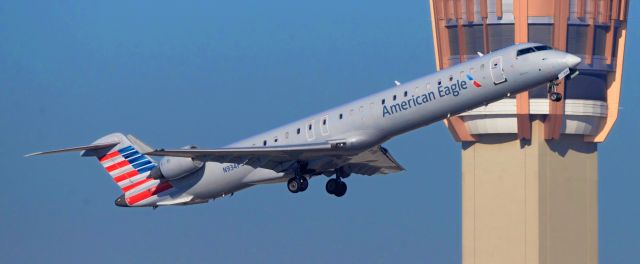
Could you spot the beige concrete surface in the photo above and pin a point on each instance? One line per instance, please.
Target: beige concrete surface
(529, 202)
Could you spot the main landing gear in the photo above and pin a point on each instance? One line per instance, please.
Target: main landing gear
(336, 186)
(554, 95)
(298, 184)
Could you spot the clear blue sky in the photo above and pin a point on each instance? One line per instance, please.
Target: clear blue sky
(175, 73)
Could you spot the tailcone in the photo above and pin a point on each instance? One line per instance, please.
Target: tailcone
(121, 202)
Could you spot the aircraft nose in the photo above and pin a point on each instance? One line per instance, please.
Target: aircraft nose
(572, 60)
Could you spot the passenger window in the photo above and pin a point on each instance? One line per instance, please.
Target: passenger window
(439, 82)
(405, 93)
(298, 132)
(382, 101)
(450, 78)
(275, 139)
(340, 116)
(324, 122)
(394, 97)
(264, 143)
(310, 126)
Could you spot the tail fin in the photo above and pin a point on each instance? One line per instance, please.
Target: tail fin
(122, 158)
(129, 169)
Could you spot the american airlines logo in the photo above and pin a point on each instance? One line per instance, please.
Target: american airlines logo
(453, 89)
(473, 81)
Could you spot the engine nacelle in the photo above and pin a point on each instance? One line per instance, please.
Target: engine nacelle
(172, 168)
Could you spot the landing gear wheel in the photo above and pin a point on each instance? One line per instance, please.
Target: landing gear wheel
(331, 186)
(304, 183)
(297, 184)
(342, 189)
(293, 185)
(555, 96)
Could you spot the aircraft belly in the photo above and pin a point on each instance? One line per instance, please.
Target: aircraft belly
(261, 175)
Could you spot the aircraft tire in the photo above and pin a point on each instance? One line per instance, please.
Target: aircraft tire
(304, 183)
(556, 97)
(293, 185)
(341, 190)
(331, 186)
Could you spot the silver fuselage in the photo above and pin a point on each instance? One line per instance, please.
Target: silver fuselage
(367, 122)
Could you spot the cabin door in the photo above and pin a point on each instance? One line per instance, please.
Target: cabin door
(497, 72)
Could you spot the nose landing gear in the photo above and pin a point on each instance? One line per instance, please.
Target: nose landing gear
(554, 95)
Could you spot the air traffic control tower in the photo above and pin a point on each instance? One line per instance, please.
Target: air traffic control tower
(529, 165)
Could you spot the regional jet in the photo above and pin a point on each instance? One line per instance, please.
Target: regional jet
(336, 143)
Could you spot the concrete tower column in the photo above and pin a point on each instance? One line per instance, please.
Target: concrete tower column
(529, 201)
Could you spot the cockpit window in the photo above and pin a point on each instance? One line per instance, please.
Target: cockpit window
(525, 51)
(532, 49)
(542, 47)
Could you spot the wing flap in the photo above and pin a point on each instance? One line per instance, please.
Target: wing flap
(376, 160)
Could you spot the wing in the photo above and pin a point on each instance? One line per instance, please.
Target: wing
(321, 158)
(376, 160)
(277, 158)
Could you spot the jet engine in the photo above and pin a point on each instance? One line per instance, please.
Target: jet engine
(172, 168)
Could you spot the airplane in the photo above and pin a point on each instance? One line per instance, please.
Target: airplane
(341, 141)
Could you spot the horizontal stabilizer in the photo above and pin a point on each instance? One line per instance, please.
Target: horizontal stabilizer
(81, 148)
